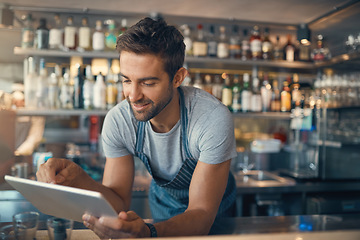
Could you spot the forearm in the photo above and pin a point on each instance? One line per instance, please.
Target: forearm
(190, 223)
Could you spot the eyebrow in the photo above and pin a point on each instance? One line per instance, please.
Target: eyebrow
(141, 79)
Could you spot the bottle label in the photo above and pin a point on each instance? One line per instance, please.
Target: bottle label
(84, 37)
(255, 46)
(290, 54)
(55, 38)
(69, 38)
(226, 96)
(256, 103)
(222, 50)
(236, 104)
(199, 49)
(246, 100)
(212, 50)
(188, 45)
(285, 102)
(98, 41)
(27, 38)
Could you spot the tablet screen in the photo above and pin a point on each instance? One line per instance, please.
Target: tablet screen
(62, 201)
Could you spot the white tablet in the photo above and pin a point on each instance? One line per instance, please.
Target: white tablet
(62, 201)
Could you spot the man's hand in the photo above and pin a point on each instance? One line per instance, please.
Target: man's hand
(127, 225)
(60, 171)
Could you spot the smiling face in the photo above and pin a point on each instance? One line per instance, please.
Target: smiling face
(146, 85)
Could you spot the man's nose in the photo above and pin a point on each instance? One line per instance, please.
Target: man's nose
(135, 93)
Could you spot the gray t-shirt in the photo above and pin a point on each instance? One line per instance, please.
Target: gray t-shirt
(210, 135)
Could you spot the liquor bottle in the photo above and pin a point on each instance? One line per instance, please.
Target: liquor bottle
(78, 96)
(42, 86)
(212, 43)
(217, 87)
(123, 27)
(246, 94)
(275, 97)
(42, 35)
(84, 36)
(304, 52)
(66, 91)
(285, 97)
(110, 36)
(234, 43)
(320, 53)
(277, 51)
(245, 46)
(266, 46)
(295, 92)
(29, 86)
(289, 51)
(266, 94)
(236, 95)
(111, 90)
(187, 40)
(70, 35)
(88, 88)
(99, 93)
(255, 43)
(208, 84)
(27, 34)
(256, 103)
(198, 83)
(56, 34)
(53, 92)
(199, 44)
(226, 97)
(223, 45)
(98, 42)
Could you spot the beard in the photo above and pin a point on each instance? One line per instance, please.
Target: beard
(154, 109)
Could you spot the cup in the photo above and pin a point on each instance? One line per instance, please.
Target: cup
(8, 232)
(59, 229)
(28, 221)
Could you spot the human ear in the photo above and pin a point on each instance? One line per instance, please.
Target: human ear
(180, 76)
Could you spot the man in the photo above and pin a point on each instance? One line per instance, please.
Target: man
(184, 136)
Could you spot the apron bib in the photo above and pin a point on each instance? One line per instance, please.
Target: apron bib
(170, 198)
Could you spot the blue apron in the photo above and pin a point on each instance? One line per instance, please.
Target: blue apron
(170, 198)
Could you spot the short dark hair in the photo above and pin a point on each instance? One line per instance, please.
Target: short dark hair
(155, 37)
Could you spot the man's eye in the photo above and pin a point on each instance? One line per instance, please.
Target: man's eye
(148, 84)
(126, 81)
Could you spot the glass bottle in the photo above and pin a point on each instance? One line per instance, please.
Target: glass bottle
(266, 94)
(187, 40)
(110, 36)
(42, 35)
(199, 44)
(245, 46)
(285, 97)
(320, 53)
(78, 96)
(255, 43)
(289, 51)
(208, 84)
(217, 87)
(111, 90)
(236, 95)
(70, 35)
(28, 33)
(212, 43)
(198, 83)
(53, 92)
(223, 45)
(266, 46)
(29, 86)
(256, 103)
(246, 94)
(234, 43)
(84, 36)
(226, 97)
(277, 50)
(88, 88)
(275, 97)
(56, 34)
(295, 92)
(42, 86)
(123, 27)
(98, 43)
(66, 91)
(99, 93)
